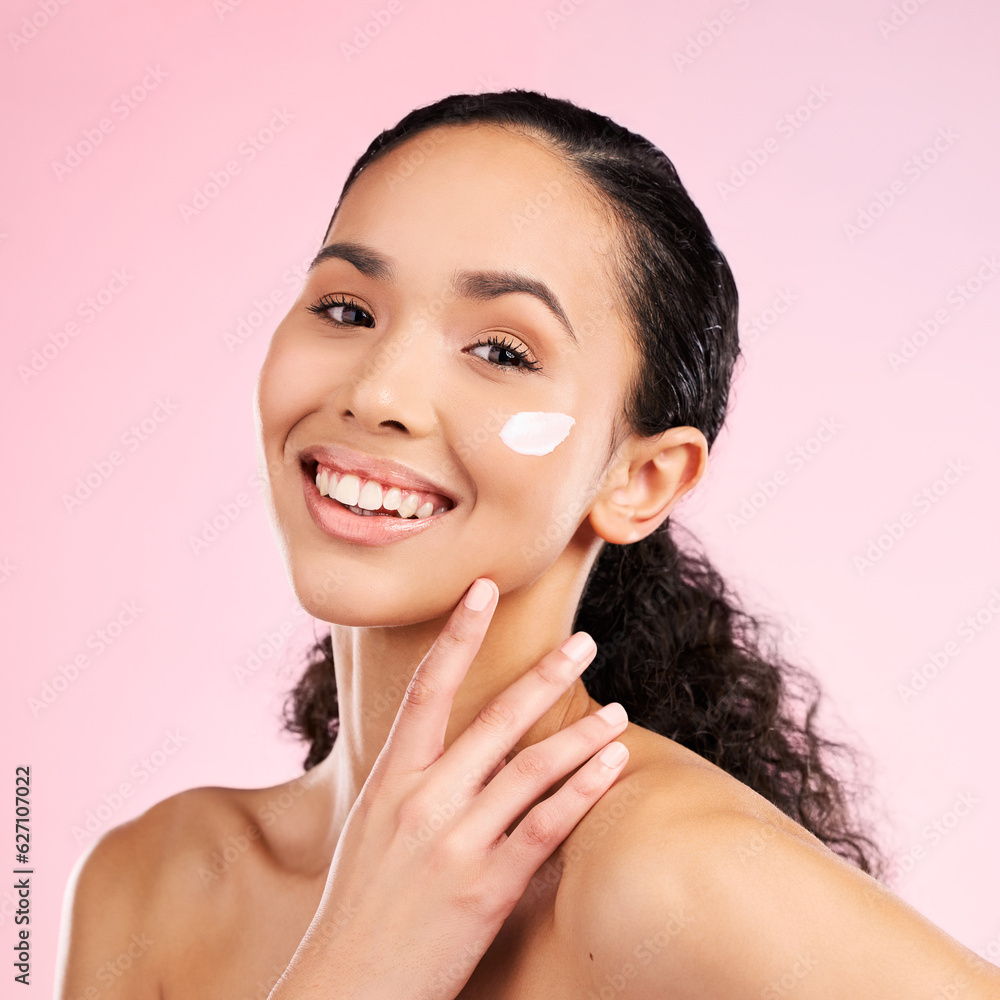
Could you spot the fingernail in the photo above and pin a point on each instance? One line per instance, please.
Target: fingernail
(480, 594)
(613, 754)
(578, 647)
(613, 714)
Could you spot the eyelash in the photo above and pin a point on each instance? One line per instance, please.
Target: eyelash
(327, 302)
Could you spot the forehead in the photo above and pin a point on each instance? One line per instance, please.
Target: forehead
(479, 196)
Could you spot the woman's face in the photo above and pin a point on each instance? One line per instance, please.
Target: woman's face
(403, 373)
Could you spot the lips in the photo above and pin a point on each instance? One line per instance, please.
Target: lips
(363, 527)
(377, 484)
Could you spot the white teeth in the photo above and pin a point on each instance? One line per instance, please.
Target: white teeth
(348, 490)
(371, 496)
(363, 512)
(409, 506)
(392, 498)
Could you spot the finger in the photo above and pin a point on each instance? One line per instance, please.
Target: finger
(537, 768)
(496, 771)
(416, 739)
(546, 826)
(507, 717)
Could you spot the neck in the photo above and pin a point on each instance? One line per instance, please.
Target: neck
(374, 665)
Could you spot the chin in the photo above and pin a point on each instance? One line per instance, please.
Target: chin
(341, 594)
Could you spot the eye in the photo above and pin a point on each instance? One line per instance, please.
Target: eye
(500, 352)
(346, 311)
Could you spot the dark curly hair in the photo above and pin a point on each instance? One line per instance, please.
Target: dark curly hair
(674, 645)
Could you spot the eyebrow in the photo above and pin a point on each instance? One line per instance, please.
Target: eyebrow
(478, 285)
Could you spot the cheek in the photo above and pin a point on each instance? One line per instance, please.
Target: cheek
(286, 385)
(533, 432)
(533, 474)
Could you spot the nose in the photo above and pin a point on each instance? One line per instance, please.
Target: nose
(392, 383)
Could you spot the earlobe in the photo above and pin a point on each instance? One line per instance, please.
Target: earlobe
(638, 496)
(613, 522)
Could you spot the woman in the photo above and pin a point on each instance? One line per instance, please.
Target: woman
(506, 368)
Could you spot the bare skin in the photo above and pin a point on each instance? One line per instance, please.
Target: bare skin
(678, 881)
(229, 929)
(222, 913)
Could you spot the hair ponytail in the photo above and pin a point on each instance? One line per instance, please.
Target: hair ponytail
(311, 710)
(675, 648)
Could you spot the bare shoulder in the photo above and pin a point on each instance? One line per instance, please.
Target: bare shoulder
(128, 890)
(707, 889)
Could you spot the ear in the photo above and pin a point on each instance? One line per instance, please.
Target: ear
(644, 485)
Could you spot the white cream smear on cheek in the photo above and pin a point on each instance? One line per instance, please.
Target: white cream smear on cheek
(533, 432)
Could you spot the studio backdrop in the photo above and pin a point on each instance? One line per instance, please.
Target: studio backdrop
(169, 171)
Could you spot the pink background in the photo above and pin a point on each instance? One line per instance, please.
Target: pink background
(220, 74)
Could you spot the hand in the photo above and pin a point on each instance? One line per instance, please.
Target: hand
(424, 873)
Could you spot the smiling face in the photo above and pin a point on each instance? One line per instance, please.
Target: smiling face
(387, 352)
